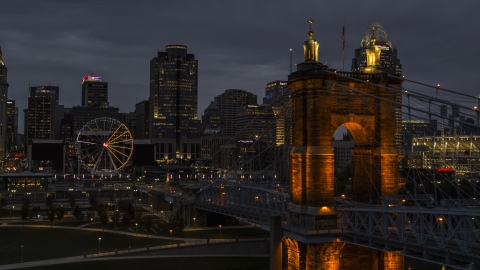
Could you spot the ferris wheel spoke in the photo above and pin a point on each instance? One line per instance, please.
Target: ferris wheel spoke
(113, 133)
(111, 160)
(98, 161)
(117, 142)
(116, 157)
(117, 151)
(120, 146)
(112, 139)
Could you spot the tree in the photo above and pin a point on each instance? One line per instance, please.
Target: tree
(51, 215)
(125, 221)
(138, 217)
(103, 217)
(93, 201)
(148, 224)
(76, 212)
(130, 212)
(60, 213)
(3, 203)
(71, 201)
(26, 211)
(49, 202)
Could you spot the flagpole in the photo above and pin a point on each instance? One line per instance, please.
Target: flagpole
(343, 47)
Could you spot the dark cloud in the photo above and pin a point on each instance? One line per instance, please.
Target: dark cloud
(239, 44)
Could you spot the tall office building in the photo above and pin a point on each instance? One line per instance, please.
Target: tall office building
(94, 91)
(173, 100)
(41, 113)
(274, 91)
(12, 126)
(259, 122)
(228, 103)
(3, 105)
(375, 41)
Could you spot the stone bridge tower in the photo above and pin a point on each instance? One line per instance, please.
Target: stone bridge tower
(323, 100)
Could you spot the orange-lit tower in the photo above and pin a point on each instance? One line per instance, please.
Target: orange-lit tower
(311, 157)
(324, 99)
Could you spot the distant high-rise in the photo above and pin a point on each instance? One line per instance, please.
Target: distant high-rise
(228, 102)
(211, 118)
(375, 41)
(3, 105)
(273, 91)
(141, 120)
(94, 91)
(41, 113)
(173, 100)
(12, 126)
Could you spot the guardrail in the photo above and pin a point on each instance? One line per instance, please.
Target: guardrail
(171, 246)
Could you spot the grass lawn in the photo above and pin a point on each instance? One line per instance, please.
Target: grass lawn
(210, 263)
(46, 243)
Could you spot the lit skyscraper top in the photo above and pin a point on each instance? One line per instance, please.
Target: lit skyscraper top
(376, 43)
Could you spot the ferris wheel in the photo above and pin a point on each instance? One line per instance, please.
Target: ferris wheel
(104, 145)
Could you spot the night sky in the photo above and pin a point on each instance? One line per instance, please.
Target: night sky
(239, 44)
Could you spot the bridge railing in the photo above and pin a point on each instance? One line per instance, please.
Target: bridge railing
(436, 229)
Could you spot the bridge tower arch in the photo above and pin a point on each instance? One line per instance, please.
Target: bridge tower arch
(322, 100)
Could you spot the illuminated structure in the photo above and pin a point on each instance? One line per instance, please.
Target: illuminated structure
(173, 100)
(462, 153)
(228, 103)
(94, 91)
(277, 94)
(3, 106)
(260, 121)
(376, 53)
(317, 112)
(40, 115)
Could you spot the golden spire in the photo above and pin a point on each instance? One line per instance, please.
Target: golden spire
(310, 33)
(310, 47)
(373, 40)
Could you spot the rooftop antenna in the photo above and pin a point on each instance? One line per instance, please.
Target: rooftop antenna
(291, 60)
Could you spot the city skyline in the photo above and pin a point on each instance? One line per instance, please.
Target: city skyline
(238, 46)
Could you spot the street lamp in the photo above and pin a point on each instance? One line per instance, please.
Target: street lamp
(194, 224)
(91, 219)
(99, 241)
(162, 214)
(171, 235)
(136, 228)
(151, 208)
(22, 252)
(220, 226)
(38, 220)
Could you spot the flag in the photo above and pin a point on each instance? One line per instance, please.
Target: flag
(343, 37)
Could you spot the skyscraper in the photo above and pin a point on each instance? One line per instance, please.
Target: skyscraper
(94, 91)
(228, 102)
(12, 126)
(3, 105)
(41, 113)
(376, 41)
(173, 97)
